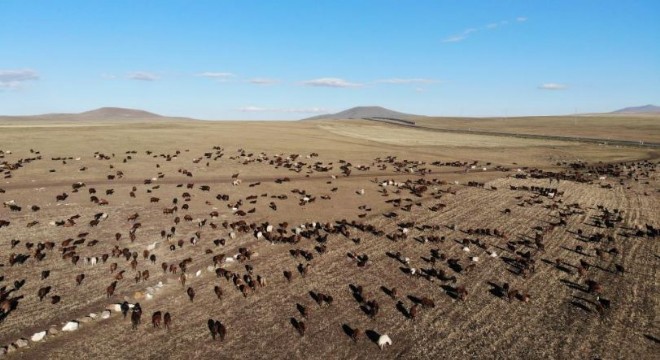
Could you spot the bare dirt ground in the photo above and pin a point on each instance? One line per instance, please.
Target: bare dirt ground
(555, 316)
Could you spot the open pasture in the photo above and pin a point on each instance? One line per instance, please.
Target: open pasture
(313, 239)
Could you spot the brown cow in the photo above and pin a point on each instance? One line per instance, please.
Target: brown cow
(43, 292)
(110, 290)
(356, 334)
(167, 320)
(221, 330)
(413, 312)
(156, 319)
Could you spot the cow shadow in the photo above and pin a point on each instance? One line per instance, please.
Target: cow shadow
(387, 291)
(652, 338)
(402, 309)
(559, 267)
(373, 336)
(581, 306)
(496, 290)
(450, 291)
(356, 293)
(573, 285)
(349, 331)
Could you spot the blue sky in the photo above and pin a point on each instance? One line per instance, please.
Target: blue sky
(286, 59)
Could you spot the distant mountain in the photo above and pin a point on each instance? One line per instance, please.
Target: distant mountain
(101, 114)
(646, 109)
(362, 112)
(117, 113)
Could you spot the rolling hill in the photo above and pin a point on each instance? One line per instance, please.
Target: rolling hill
(646, 109)
(104, 114)
(364, 112)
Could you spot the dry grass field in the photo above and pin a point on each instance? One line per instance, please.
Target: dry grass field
(631, 127)
(369, 202)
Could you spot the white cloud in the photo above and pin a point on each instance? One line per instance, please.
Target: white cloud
(406, 81)
(263, 81)
(14, 79)
(217, 75)
(108, 76)
(252, 109)
(552, 86)
(142, 76)
(467, 32)
(331, 82)
(313, 110)
(454, 38)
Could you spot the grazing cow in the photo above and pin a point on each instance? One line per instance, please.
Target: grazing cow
(393, 293)
(602, 304)
(5, 307)
(43, 292)
(211, 325)
(191, 293)
(124, 308)
(218, 292)
(221, 330)
(217, 329)
(619, 269)
(412, 313)
(156, 319)
(371, 307)
(356, 334)
(79, 279)
(384, 340)
(303, 310)
(427, 303)
(167, 320)
(462, 293)
(299, 326)
(136, 314)
(593, 287)
(110, 290)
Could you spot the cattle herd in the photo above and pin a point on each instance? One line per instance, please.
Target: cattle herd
(342, 254)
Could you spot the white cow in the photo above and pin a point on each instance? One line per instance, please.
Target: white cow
(384, 340)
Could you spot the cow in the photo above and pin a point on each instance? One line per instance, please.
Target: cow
(156, 319)
(167, 320)
(136, 314)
